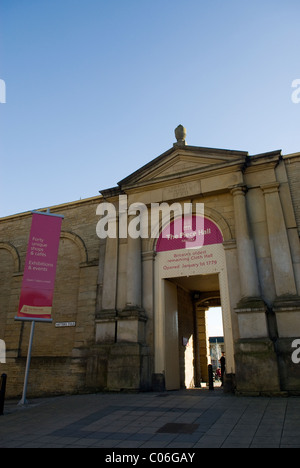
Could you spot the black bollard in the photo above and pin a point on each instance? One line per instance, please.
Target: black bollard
(2, 393)
(210, 377)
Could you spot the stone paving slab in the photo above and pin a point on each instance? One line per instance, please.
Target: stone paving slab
(195, 418)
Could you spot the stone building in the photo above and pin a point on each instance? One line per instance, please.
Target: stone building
(137, 309)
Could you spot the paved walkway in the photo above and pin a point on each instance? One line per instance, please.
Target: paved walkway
(172, 420)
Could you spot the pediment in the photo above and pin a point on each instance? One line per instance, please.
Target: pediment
(182, 162)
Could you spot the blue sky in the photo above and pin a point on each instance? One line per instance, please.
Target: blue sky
(95, 88)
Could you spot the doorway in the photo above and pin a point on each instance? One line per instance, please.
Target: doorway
(182, 300)
(187, 333)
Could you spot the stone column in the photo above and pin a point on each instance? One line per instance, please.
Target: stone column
(246, 253)
(251, 309)
(279, 244)
(148, 294)
(106, 317)
(131, 320)
(128, 363)
(254, 352)
(134, 272)
(287, 304)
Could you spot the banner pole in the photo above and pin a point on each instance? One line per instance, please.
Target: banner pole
(36, 298)
(24, 400)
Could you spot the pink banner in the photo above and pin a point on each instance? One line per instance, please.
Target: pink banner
(189, 232)
(40, 267)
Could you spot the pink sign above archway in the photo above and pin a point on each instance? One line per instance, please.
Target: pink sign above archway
(190, 232)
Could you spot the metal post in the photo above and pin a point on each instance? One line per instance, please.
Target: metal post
(2, 393)
(210, 377)
(24, 401)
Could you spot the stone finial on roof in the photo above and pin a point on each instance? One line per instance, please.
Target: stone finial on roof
(180, 134)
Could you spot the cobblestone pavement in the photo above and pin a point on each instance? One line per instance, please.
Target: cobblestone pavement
(172, 420)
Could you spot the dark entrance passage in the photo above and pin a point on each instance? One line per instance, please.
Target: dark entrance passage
(195, 296)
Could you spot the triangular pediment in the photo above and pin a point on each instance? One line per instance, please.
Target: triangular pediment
(181, 162)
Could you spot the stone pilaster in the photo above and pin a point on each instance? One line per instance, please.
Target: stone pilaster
(148, 294)
(134, 272)
(245, 246)
(106, 317)
(287, 304)
(132, 319)
(279, 243)
(251, 309)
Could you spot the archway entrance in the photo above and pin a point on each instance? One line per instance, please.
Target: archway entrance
(187, 282)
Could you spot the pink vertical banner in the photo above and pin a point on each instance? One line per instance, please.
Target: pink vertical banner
(40, 267)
